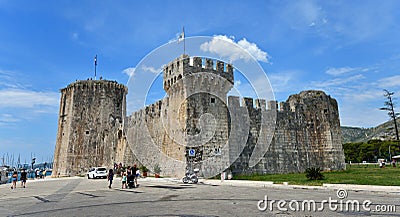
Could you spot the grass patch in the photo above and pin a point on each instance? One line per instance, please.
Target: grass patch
(356, 174)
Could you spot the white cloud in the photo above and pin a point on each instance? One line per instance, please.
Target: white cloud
(151, 69)
(19, 98)
(284, 81)
(339, 71)
(7, 79)
(361, 94)
(344, 70)
(393, 81)
(338, 81)
(129, 71)
(220, 45)
(253, 49)
(6, 119)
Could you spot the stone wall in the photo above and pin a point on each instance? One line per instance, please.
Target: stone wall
(93, 129)
(307, 134)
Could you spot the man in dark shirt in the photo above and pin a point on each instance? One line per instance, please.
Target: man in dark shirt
(23, 178)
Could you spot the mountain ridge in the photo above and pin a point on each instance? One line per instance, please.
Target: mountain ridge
(383, 131)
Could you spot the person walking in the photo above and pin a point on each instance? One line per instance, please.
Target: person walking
(23, 178)
(14, 179)
(110, 177)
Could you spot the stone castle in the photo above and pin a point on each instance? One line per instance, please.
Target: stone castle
(223, 131)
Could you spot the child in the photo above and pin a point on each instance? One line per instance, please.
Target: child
(123, 180)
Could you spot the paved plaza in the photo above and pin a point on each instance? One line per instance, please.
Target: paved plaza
(78, 196)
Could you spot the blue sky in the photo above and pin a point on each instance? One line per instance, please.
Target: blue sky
(350, 49)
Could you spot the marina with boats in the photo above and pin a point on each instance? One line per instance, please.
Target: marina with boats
(34, 170)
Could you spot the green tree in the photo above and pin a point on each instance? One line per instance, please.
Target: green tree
(367, 152)
(352, 151)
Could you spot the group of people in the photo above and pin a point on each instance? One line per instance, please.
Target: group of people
(40, 174)
(128, 177)
(14, 179)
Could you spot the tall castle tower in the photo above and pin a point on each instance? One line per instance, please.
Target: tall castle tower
(197, 89)
(90, 126)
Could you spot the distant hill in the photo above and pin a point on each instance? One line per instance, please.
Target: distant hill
(384, 131)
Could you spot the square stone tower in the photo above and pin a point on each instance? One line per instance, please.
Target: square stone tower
(197, 90)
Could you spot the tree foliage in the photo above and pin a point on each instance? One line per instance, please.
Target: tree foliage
(370, 151)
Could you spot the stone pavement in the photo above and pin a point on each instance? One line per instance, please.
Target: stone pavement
(77, 196)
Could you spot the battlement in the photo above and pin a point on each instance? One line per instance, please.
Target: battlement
(185, 65)
(234, 101)
(93, 84)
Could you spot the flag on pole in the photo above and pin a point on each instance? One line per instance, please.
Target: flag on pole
(95, 66)
(182, 35)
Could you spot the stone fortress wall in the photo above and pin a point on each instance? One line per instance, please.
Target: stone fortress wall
(197, 114)
(307, 132)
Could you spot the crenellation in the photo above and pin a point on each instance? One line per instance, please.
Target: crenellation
(220, 66)
(209, 64)
(234, 101)
(261, 104)
(272, 105)
(185, 65)
(247, 102)
(197, 63)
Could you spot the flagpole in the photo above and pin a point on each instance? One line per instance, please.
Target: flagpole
(184, 41)
(95, 66)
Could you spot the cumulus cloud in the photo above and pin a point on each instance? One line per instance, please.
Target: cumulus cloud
(129, 71)
(19, 98)
(221, 45)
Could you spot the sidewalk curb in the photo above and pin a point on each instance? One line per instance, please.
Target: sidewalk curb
(267, 184)
(371, 188)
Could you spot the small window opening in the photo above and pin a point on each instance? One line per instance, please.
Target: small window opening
(212, 100)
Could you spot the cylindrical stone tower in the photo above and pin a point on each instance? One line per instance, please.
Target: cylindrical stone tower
(90, 126)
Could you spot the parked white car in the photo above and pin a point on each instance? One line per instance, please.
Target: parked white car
(97, 172)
